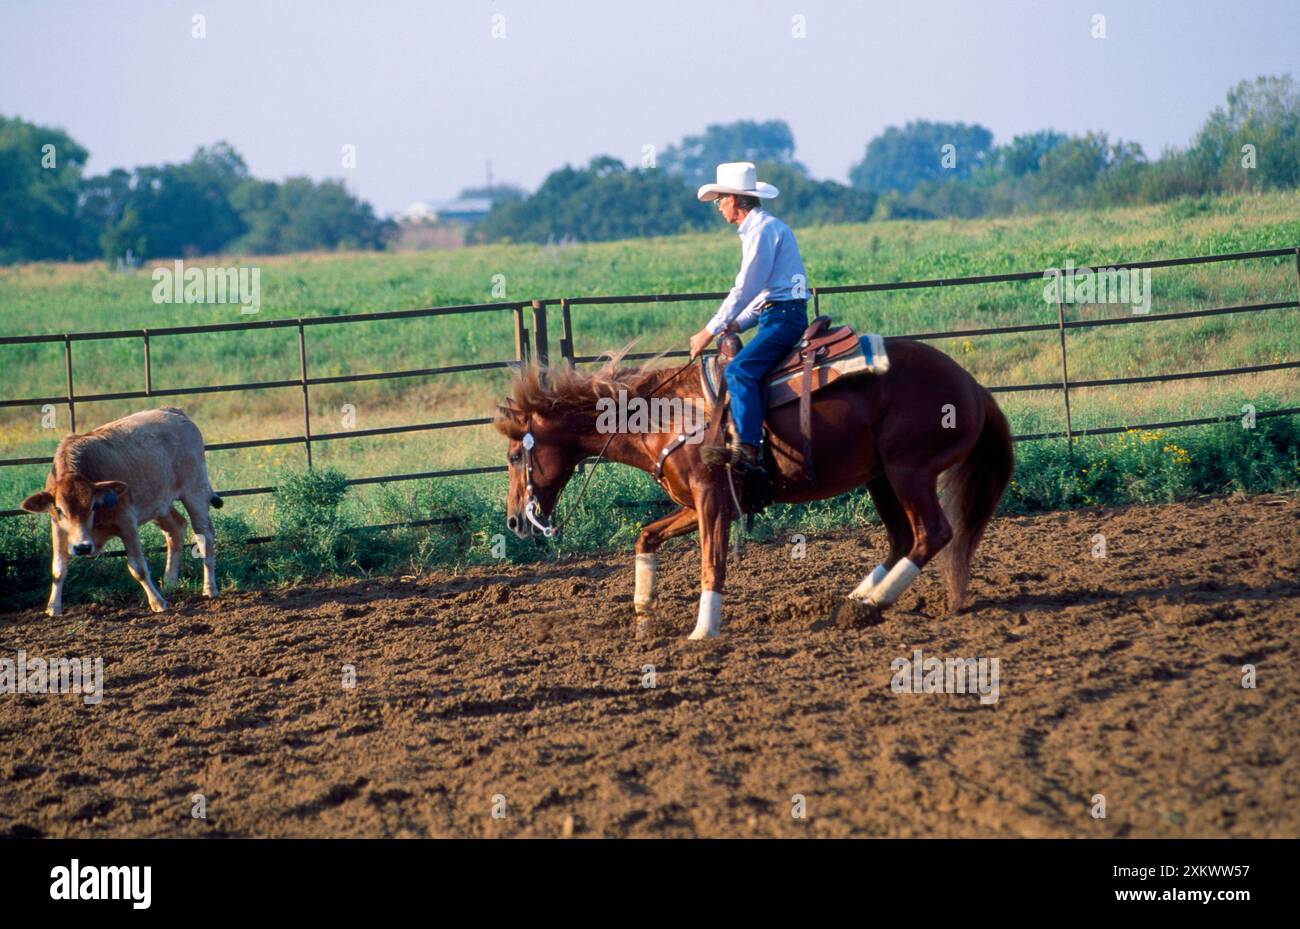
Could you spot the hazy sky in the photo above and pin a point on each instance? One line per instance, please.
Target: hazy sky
(428, 96)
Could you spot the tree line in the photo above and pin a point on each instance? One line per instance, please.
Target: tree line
(922, 170)
(209, 204)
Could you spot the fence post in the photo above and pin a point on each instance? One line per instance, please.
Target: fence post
(521, 336)
(1065, 372)
(566, 338)
(67, 370)
(306, 397)
(148, 366)
(817, 304)
(539, 332)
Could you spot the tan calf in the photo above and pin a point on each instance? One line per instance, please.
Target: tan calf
(109, 481)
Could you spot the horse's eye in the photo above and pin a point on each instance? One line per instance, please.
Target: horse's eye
(516, 457)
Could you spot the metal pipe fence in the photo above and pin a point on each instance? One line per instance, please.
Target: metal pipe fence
(534, 344)
(303, 382)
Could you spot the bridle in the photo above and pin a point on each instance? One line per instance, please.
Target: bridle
(532, 506)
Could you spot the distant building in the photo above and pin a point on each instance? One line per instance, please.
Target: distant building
(465, 209)
(468, 210)
(418, 212)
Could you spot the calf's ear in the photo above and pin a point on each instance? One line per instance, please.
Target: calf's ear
(110, 493)
(38, 502)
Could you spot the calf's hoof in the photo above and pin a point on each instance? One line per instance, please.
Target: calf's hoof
(159, 607)
(53, 611)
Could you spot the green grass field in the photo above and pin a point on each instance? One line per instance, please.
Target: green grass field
(57, 298)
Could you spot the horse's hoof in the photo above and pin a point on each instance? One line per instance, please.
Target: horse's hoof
(852, 613)
(653, 625)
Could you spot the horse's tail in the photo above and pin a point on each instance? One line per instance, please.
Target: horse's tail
(973, 487)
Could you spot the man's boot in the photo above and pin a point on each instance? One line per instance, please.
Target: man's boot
(715, 456)
(737, 454)
(744, 457)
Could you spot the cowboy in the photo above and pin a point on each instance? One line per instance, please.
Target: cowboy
(770, 291)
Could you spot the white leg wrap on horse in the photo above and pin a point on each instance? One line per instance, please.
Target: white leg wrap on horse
(869, 583)
(645, 580)
(895, 582)
(709, 623)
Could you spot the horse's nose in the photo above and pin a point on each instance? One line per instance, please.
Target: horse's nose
(82, 548)
(512, 523)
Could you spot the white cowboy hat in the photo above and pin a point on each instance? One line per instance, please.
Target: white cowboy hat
(737, 177)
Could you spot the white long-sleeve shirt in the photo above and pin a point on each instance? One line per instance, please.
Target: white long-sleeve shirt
(770, 271)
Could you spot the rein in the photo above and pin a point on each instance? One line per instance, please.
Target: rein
(676, 374)
(582, 492)
(532, 507)
(530, 503)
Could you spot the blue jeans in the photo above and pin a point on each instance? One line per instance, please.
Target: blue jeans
(779, 329)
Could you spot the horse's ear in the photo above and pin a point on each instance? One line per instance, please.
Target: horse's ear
(509, 422)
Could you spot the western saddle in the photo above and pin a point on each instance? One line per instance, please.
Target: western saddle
(823, 356)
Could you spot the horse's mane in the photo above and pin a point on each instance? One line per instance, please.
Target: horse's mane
(566, 391)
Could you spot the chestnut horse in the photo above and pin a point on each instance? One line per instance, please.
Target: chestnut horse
(895, 432)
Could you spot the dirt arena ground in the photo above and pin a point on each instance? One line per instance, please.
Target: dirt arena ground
(1119, 676)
